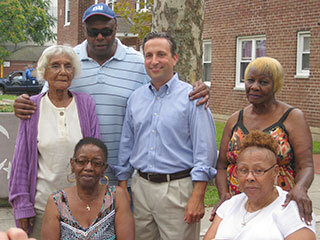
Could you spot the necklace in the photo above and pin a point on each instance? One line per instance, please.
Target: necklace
(88, 204)
(244, 221)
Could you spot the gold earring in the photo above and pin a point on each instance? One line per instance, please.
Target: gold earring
(69, 179)
(106, 177)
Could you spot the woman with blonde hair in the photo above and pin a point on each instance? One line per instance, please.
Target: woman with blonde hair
(263, 79)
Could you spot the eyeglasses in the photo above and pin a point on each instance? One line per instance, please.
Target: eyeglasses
(81, 162)
(58, 67)
(243, 172)
(105, 32)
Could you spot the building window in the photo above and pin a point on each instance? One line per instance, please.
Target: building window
(111, 3)
(143, 5)
(67, 13)
(248, 49)
(303, 54)
(206, 60)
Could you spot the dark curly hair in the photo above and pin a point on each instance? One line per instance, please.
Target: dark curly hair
(257, 138)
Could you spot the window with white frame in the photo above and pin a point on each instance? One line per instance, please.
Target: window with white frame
(248, 49)
(143, 5)
(303, 54)
(67, 12)
(111, 3)
(206, 60)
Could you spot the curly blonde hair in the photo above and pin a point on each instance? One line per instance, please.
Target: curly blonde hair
(257, 138)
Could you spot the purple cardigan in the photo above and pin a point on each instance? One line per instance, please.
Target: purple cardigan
(24, 171)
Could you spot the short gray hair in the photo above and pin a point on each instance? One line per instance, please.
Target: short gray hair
(56, 50)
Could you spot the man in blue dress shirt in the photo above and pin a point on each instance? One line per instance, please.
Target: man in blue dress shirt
(171, 143)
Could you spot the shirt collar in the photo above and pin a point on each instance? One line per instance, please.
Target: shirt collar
(168, 86)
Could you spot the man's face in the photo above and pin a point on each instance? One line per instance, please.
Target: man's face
(100, 32)
(158, 60)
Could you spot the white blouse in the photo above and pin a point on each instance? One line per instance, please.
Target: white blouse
(271, 223)
(58, 132)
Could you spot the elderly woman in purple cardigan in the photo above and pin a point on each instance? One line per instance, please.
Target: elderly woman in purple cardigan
(45, 142)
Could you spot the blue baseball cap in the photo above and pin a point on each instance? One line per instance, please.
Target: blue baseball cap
(99, 9)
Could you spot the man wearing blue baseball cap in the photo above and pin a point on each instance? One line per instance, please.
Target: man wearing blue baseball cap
(111, 71)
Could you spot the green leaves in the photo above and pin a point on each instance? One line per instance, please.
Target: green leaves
(142, 20)
(24, 20)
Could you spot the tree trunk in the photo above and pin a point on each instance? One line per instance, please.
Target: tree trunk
(183, 20)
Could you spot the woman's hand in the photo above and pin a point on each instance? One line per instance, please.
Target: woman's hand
(299, 194)
(200, 90)
(14, 234)
(26, 224)
(222, 199)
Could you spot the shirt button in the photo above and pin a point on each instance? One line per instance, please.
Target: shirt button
(158, 98)
(61, 113)
(153, 131)
(151, 148)
(155, 114)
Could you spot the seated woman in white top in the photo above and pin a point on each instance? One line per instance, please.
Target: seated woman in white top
(257, 212)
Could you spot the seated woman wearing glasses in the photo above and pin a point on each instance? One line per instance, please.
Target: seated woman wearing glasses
(257, 212)
(40, 165)
(88, 210)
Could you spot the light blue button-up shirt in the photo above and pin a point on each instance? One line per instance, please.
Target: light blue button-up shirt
(165, 132)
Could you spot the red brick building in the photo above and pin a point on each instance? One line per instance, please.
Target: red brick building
(238, 31)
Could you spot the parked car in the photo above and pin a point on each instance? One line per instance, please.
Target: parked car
(17, 83)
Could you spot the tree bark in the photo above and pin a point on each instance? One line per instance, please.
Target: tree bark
(183, 20)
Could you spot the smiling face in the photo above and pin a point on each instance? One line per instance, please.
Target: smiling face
(100, 48)
(59, 72)
(88, 165)
(259, 87)
(257, 159)
(159, 61)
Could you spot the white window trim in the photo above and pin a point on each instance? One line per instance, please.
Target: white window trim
(66, 9)
(240, 85)
(299, 72)
(204, 42)
(145, 7)
(113, 2)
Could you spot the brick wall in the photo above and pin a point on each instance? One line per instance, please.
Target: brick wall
(279, 21)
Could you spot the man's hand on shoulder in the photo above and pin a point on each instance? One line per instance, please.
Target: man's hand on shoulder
(200, 90)
(23, 107)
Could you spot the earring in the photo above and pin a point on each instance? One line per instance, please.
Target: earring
(71, 178)
(107, 179)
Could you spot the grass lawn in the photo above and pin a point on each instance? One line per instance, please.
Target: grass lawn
(211, 197)
(5, 107)
(7, 96)
(316, 147)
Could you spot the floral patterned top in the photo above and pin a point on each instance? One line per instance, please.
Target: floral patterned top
(102, 228)
(285, 158)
